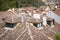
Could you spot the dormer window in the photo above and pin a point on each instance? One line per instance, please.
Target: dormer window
(10, 25)
(50, 22)
(37, 25)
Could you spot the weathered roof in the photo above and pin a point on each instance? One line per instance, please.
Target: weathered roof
(57, 11)
(26, 32)
(12, 20)
(35, 20)
(4, 14)
(2, 24)
(49, 19)
(42, 8)
(9, 17)
(30, 19)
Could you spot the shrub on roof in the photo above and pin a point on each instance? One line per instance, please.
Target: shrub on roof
(57, 36)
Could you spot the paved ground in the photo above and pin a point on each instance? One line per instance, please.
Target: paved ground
(29, 32)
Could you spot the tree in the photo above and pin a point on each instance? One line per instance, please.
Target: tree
(6, 4)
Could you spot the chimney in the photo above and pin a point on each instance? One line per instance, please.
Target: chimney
(55, 6)
(34, 11)
(44, 20)
(13, 9)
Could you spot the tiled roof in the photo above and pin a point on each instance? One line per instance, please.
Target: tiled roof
(57, 11)
(9, 17)
(21, 32)
(24, 31)
(2, 24)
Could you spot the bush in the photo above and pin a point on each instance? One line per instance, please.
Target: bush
(57, 36)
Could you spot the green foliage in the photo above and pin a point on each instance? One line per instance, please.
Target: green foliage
(6, 4)
(57, 36)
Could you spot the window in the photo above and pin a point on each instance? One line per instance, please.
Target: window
(50, 23)
(10, 25)
(37, 25)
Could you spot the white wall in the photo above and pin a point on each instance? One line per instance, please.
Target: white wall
(44, 21)
(36, 16)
